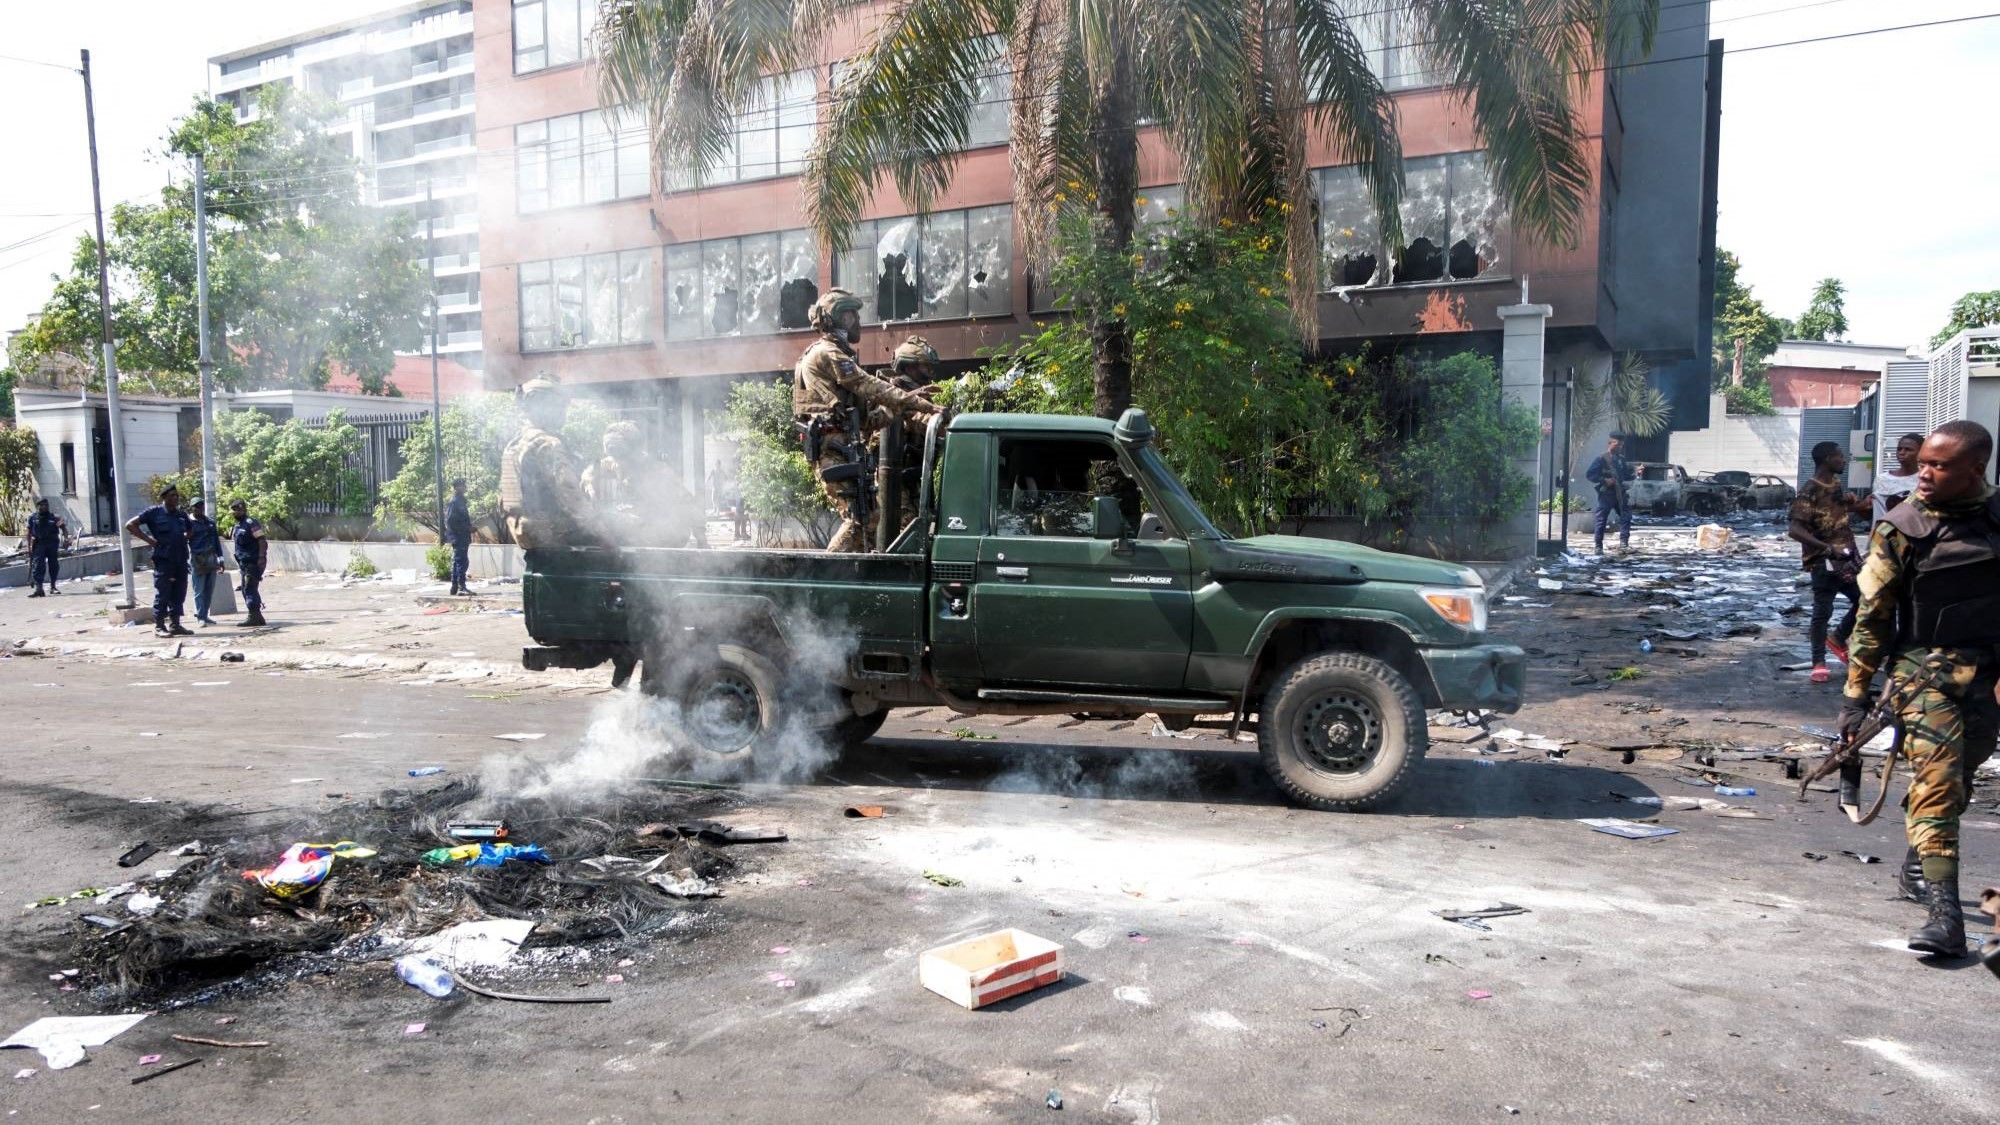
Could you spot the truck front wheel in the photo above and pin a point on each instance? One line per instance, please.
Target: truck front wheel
(725, 700)
(1341, 731)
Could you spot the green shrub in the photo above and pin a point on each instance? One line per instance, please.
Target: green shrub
(358, 565)
(438, 559)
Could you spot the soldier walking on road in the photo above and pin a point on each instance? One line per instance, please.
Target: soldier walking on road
(827, 388)
(1609, 471)
(458, 532)
(253, 549)
(1826, 540)
(539, 487)
(205, 553)
(46, 532)
(1934, 566)
(164, 527)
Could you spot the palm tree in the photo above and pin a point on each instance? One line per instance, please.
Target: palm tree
(1237, 88)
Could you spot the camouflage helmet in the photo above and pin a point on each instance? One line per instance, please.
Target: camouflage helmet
(537, 388)
(913, 351)
(826, 311)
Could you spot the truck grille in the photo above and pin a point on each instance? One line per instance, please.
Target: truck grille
(953, 572)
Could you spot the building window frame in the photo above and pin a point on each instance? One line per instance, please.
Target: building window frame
(563, 305)
(546, 19)
(571, 161)
(68, 463)
(772, 137)
(691, 313)
(1476, 236)
(937, 249)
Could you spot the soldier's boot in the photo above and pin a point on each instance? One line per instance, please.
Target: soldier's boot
(1944, 933)
(1911, 878)
(178, 630)
(37, 593)
(254, 618)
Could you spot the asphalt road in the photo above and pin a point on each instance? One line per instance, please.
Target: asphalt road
(1230, 959)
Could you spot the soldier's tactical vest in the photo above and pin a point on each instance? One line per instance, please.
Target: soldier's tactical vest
(1954, 597)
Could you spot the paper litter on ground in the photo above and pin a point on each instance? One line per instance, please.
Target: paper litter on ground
(1612, 826)
(488, 943)
(61, 1039)
(520, 736)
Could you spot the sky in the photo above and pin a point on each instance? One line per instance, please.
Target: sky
(1845, 159)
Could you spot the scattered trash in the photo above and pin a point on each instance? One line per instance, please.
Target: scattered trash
(1054, 1100)
(990, 968)
(244, 1043)
(143, 904)
(192, 847)
(1803, 666)
(486, 854)
(780, 950)
(140, 852)
(862, 812)
(426, 771)
(62, 1039)
(1625, 675)
(1160, 731)
(413, 1029)
(149, 1060)
(714, 833)
(1735, 791)
(232, 658)
(492, 995)
(304, 866)
(167, 1069)
(1860, 858)
(25, 1073)
(422, 972)
(685, 884)
(1814, 856)
(1479, 994)
(520, 736)
(1503, 910)
(614, 978)
(476, 829)
(1548, 584)
(107, 923)
(943, 880)
(1137, 936)
(782, 980)
(369, 735)
(487, 943)
(1611, 826)
(1646, 645)
(1711, 537)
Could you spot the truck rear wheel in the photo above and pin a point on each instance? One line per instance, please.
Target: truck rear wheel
(857, 729)
(726, 700)
(1341, 731)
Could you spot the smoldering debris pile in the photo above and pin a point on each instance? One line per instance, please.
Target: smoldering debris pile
(388, 875)
(1739, 587)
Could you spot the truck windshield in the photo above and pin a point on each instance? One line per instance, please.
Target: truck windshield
(1163, 480)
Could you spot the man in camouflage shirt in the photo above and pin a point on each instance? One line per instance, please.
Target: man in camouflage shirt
(540, 490)
(825, 384)
(1931, 584)
(1819, 523)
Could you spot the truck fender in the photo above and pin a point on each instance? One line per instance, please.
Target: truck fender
(1383, 634)
(724, 619)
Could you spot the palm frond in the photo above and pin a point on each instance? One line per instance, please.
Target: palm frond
(903, 104)
(1282, 129)
(1195, 56)
(1346, 103)
(1042, 39)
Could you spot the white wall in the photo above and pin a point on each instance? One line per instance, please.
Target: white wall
(152, 446)
(53, 426)
(1753, 443)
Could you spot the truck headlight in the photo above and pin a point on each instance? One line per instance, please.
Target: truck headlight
(1463, 606)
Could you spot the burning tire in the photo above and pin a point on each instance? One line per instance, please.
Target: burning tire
(725, 701)
(1341, 731)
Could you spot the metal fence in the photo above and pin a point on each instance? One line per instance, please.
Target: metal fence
(379, 460)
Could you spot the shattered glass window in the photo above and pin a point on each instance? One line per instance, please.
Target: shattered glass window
(1347, 228)
(1476, 214)
(774, 130)
(587, 302)
(950, 265)
(987, 122)
(1426, 212)
(1454, 223)
(753, 285)
(588, 157)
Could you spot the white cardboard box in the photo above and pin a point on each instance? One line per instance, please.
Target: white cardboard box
(990, 968)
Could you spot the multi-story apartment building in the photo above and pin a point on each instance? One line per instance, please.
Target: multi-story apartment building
(403, 81)
(654, 296)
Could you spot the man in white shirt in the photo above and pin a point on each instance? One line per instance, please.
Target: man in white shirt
(1894, 482)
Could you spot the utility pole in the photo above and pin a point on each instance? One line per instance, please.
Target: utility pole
(109, 348)
(207, 363)
(1736, 370)
(437, 404)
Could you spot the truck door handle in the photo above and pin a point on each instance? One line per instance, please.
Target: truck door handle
(1011, 571)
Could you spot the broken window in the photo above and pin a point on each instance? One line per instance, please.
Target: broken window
(588, 157)
(1453, 222)
(774, 130)
(587, 302)
(752, 285)
(1153, 210)
(950, 265)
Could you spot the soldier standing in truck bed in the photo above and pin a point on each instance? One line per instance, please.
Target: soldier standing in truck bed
(539, 487)
(826, 385)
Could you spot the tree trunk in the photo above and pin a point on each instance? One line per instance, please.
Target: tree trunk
(1117, 117)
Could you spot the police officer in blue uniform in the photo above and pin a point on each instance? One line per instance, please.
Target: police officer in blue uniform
(458, 532)
(45, 536)
(164, 527)
(205, 552)
(252, 549)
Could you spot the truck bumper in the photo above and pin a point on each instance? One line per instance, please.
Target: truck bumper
(1482, 677)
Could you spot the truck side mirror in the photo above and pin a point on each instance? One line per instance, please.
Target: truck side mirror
(1106, 520)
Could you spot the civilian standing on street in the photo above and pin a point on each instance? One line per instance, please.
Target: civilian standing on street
(1894, 482)
(164, 527)
(45, 535)
(1609, 472)
(205, 552)
(1820, 524)
(252, 549)
(458, 532)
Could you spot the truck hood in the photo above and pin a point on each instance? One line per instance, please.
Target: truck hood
(1297, 558)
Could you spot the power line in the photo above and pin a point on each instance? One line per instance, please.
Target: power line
(40, 62)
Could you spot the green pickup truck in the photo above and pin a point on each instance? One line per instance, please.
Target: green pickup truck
(1056, 565)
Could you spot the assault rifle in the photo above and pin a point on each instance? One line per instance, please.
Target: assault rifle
(858, 474)
(1896, 694)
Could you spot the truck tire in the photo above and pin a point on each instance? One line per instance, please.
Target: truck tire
(726, 701)
(854, 730)
(1341, 731)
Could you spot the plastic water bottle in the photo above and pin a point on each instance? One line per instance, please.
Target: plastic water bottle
(426, 974)
(426, 771)
(1735, 791)
(1646, 645)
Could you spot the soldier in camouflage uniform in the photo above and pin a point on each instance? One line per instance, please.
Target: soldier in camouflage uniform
(825, 384)
(911, 369)
(1932, 583)
(638, 497)
(539, 488)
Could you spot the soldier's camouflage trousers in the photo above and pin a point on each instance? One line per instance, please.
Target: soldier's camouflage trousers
(1948, 731)
(850, 535)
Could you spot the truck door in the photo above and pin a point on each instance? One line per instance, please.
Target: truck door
(1052, 605)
